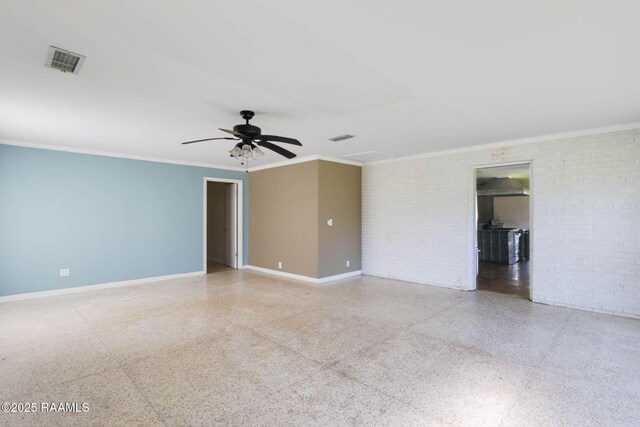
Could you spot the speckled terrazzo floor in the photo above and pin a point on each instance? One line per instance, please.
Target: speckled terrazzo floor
(242, 348)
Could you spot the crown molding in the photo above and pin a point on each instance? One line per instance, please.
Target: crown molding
(513, 142)
(170, 161)
(304, 160)
(337, 160)
(505, 143)
(118, 155)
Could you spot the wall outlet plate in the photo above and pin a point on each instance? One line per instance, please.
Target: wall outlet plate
(64, 272)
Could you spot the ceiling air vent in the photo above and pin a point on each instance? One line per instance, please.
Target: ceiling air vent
(369, 156)
(341, 137)
(63, 60)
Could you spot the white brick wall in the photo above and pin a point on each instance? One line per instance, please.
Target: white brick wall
(585, 224)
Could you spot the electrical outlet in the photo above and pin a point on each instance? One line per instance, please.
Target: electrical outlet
(280, 265)
(348, 263)
(64, 272)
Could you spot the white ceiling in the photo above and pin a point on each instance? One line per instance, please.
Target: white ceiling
(406, 77)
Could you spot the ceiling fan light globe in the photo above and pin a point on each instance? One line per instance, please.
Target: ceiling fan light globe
(236, 152)
(257, 152)
(246, 151)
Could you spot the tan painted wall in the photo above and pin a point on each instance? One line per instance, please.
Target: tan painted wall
(289, 209)
(340, 199)
(512, 211)
(283, 218)
(216, 240)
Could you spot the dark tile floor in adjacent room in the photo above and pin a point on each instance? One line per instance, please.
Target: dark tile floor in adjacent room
(504, 278)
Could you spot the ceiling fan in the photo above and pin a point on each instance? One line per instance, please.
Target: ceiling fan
(251, 139)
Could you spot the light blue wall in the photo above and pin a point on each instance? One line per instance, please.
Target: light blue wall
(107, 219)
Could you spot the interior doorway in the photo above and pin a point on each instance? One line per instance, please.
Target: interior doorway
(222, 225)
(503, 229)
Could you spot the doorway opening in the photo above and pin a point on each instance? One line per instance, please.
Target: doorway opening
(222, 225)
(503, 229)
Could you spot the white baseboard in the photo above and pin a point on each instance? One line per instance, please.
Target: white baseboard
(339, 277)
(593, 310)
(308, 279)
(63, 291)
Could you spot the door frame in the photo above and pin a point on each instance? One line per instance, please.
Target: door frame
(239, 220)
(473, 221)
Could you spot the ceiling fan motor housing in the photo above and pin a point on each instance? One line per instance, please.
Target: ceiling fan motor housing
(250, 137)
(250, 131)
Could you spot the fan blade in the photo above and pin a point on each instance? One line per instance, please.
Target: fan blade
(239, 135)
(273, 147)
(209, 139)
(276, 138)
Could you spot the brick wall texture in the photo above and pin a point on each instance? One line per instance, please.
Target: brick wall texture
(418, 219)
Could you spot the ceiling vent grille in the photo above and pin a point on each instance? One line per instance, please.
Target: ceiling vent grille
(63, 60)
(341, 137)
(369, 156)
